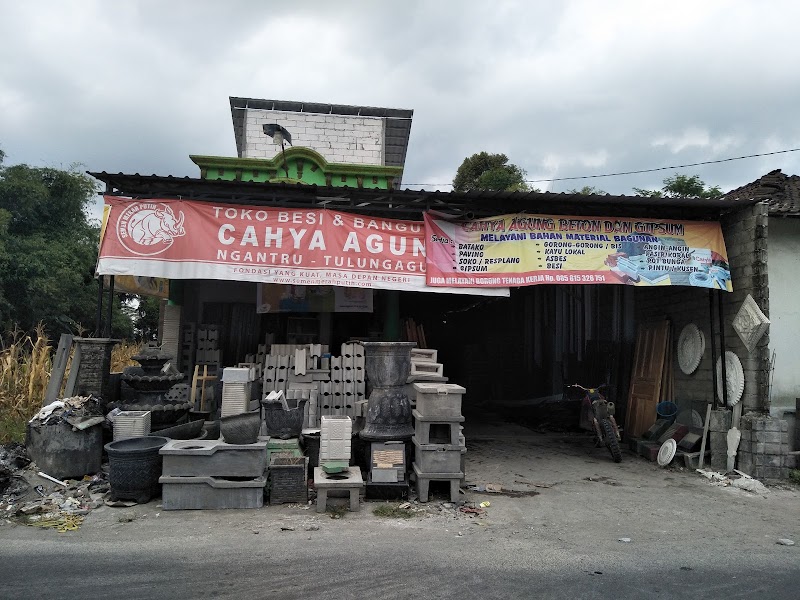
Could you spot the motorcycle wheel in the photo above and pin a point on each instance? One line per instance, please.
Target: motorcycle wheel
(611, 440)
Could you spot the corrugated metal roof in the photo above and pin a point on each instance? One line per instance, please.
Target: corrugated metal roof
(780, 191)
(411, 204)
(397, 127)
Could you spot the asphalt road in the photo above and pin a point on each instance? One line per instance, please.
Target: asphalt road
(362, 557)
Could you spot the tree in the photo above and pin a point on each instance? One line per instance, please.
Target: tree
(682, 186)
(587, 190)
(484, 171)
(48, 252)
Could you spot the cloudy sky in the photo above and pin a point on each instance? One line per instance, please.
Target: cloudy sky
(565, 89)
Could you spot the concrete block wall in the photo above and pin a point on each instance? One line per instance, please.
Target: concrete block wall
(745, 234)
(764, 447)
(338, 138)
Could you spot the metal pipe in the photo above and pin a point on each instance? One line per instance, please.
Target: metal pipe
(713, 346)
(110, 304)
(99, 316)
(721, 309)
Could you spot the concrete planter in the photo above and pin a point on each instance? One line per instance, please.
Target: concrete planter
(210, 493)
(213, 458)
(63, 453)
(135, 466)
(241, 429)
(388, 365)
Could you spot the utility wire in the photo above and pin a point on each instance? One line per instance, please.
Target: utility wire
(697, 164)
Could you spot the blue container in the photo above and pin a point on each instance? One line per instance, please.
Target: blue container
(667, 410)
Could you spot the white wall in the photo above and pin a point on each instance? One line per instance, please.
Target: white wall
(784, 309)
(338, 138)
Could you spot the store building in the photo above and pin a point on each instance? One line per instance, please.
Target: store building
(508, 347)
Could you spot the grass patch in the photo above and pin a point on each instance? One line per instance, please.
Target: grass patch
(794, 476)
(337, 512)
(392, 511)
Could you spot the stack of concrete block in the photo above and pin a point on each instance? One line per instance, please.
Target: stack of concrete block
(236, 391)
(764, 447)
(353, 378)
(188, 347)
(207, 352)
(424, 368)
(438, 443)
(276, 372)
(171, 333)
(210, 474)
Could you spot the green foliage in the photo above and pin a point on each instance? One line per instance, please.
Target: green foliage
(587, 190)
(146, 319)
(48, 252)
(682, 186)
(484, 171)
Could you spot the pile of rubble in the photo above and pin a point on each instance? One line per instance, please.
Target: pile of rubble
(34, 498)
(79, 411)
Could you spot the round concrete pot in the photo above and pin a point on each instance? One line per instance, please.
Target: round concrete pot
(241, 429)
(135, 466)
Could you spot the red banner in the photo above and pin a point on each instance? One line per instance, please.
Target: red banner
(183, 239)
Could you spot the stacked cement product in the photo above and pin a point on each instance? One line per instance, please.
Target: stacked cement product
(211, 474)
(438, 443)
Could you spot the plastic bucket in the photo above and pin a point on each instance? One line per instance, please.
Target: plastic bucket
(667, 410)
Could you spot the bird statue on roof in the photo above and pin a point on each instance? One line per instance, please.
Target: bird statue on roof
(279, 135)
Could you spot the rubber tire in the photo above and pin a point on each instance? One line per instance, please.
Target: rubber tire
(611, 440)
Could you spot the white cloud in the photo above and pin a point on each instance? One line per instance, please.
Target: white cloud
(567, 89)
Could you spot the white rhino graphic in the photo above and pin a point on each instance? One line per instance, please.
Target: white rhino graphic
(152, 226)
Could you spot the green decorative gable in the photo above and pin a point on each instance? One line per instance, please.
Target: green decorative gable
(304, 165)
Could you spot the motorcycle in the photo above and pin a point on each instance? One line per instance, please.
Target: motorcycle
(597, 414)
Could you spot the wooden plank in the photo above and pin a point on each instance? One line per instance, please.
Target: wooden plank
(59, 368)
(701, 460)
(193, 396)
(74, 369)
(646, 377)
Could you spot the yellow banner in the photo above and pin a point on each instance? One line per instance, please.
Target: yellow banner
(524, 249)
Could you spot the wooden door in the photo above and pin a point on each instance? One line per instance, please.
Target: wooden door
(646, 377)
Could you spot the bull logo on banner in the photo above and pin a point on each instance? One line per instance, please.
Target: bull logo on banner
(147, 229)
